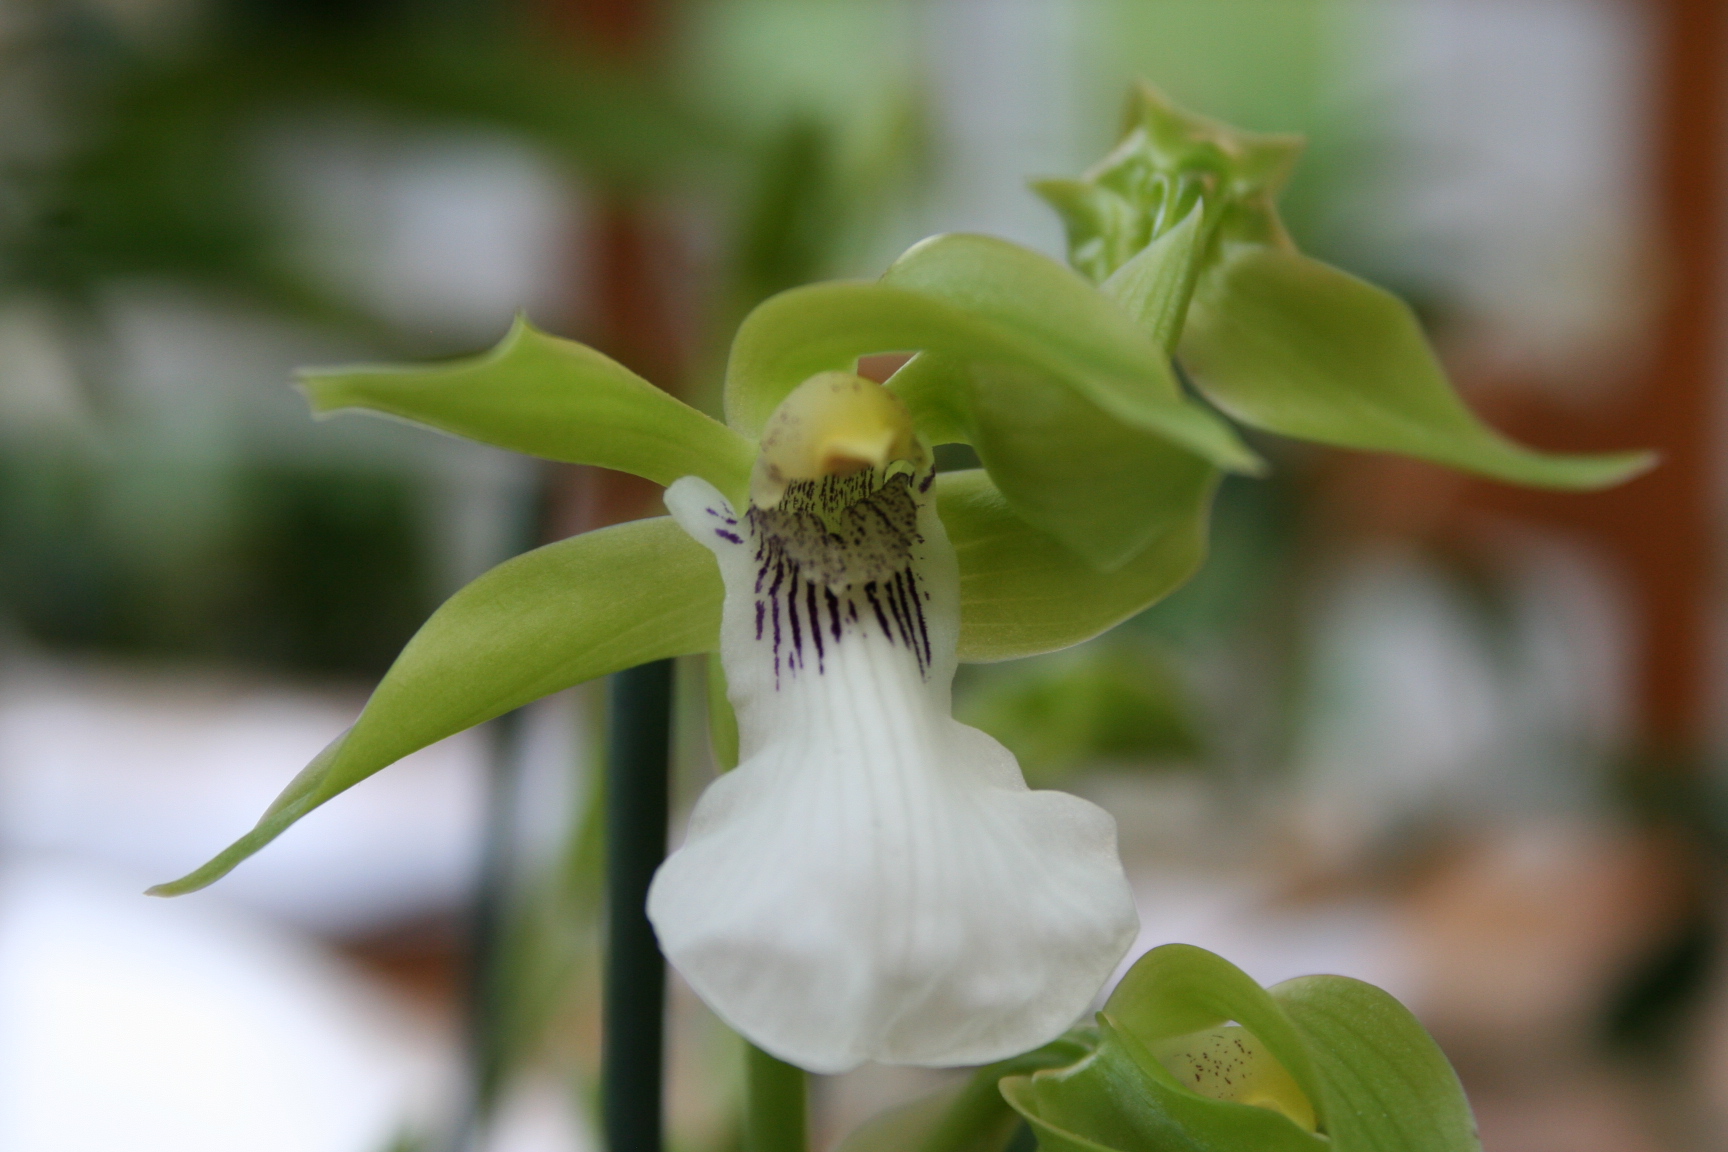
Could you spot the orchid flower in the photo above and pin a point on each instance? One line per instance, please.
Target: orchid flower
(874, 881)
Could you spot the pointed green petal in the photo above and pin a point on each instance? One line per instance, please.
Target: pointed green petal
(1387, 1082)
(548, 619)
(799, 333)
(1154, 287)
(1022, 592)
(1291, 345)
(552, 398)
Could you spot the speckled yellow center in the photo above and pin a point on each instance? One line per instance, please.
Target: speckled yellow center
(1231, 1063)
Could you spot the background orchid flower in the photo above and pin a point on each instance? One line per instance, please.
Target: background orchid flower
(1190, 1052)
(1098, 470)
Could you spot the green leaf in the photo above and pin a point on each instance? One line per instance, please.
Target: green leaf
(1388, 1085)
(1022, 592)
(1103, 488)
(822, 327)
(550, 618)
(1120, 1098)
(1291, 345)
(551, 398)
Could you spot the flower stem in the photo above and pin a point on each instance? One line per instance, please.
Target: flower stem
(635, 999)
(774, 1117)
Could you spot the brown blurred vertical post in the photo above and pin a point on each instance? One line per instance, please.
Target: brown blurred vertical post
(627, 252)
(1660, 530)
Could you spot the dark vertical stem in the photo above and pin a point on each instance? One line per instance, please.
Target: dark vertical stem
(637, 763)
(488, 927)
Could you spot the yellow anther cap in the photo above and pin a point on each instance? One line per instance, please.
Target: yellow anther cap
(833, 424)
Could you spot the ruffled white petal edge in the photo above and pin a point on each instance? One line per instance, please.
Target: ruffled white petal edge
(875, 881)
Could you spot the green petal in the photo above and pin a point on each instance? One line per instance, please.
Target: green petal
(1103, 488)
(1388, 1084)
(536, 624)
(822, 327)
(1022, 592)
(1291, 345)
(1115, 365)
(552, 398)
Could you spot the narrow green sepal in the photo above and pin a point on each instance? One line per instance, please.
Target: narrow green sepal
(1291, 345)
(534, 625)
(547, 397)
(1023, 593)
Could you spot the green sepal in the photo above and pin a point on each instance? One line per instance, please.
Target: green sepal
(1119, 1098)
(1388, 1085)
(1291, 345)
(1022, 592)
(546, 620)
(822, 327)
(1103, 488)
(971, 1116)
(548, 397)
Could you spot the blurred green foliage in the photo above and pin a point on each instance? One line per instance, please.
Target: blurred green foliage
(308, 570)
(1112, 702)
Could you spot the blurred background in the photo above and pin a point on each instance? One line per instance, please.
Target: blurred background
(1461, 741)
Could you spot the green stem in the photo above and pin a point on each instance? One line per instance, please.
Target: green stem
(774, 1118)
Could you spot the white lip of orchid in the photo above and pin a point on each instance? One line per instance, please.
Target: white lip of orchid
(874, 881)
